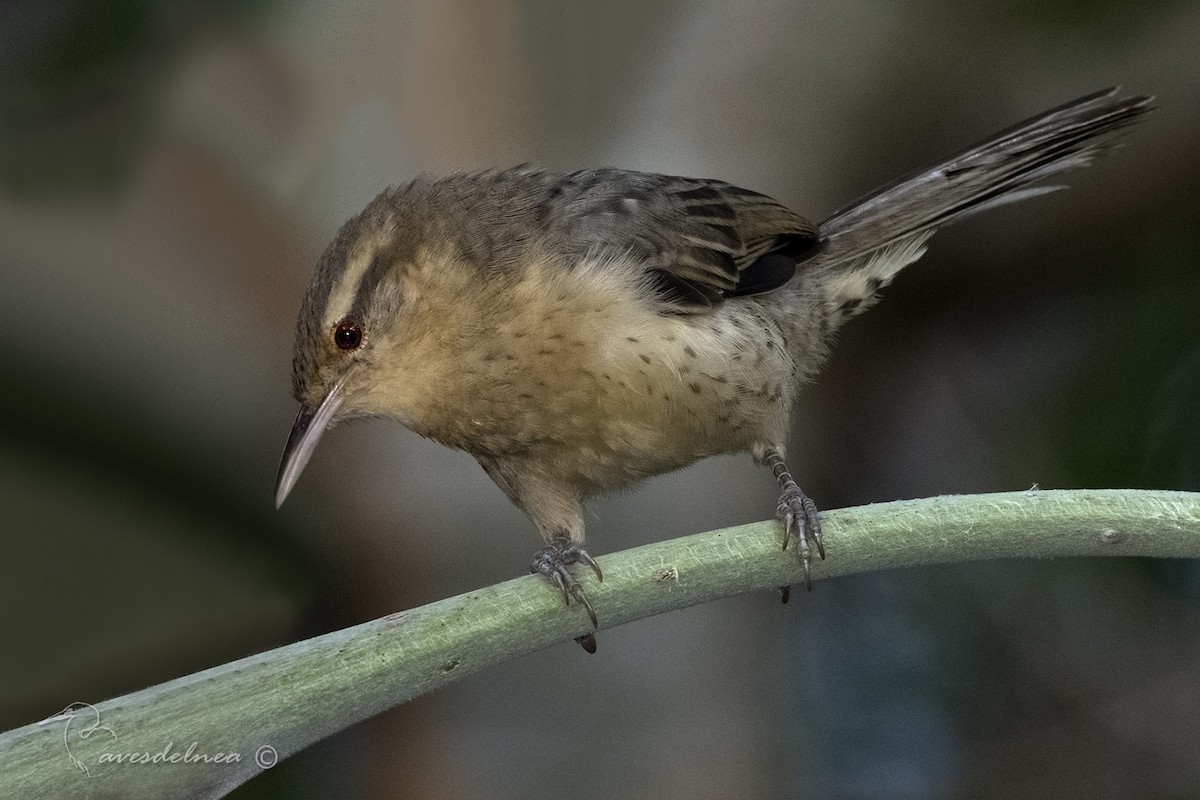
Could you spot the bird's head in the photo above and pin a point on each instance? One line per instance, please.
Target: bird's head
(371, 333)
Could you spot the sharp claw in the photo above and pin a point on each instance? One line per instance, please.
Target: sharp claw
(557, 582)
(814, 524)
(784, 593)
(579, 594)
(805, 558)
(587, 642)
(591, 562)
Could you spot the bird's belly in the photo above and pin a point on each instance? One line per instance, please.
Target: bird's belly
(612, 410)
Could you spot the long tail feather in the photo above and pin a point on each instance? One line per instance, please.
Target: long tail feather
(998, 170)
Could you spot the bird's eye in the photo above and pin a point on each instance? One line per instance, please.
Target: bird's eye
(347, 335)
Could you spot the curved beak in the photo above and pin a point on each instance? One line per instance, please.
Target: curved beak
(310, 423)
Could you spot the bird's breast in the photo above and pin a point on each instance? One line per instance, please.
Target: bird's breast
(606, 391)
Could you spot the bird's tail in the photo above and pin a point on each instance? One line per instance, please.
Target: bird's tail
(869, 241)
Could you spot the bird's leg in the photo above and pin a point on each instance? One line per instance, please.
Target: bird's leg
(555, 510)
(797, 512)
(552, 562)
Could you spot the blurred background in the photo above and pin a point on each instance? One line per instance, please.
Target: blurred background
(170, 170)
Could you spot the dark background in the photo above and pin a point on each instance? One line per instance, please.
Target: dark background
(170, 171)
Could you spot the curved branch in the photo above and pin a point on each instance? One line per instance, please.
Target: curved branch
(288, 698)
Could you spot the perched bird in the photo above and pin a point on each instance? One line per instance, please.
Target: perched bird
(578, 332)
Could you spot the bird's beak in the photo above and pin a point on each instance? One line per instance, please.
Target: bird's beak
(310, 423)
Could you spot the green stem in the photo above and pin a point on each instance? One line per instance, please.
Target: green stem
(293, 696)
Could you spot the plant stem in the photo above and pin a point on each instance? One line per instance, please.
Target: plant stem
(293, 696)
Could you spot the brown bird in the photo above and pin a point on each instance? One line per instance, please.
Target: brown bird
(579, 332)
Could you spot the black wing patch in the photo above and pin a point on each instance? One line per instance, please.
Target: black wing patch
(775, 267)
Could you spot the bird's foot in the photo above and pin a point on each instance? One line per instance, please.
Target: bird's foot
(799, 516)
(552, 562)
(800, 519)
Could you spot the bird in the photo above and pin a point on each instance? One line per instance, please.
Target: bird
(579, 332)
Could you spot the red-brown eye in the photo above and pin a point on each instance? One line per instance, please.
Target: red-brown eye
(347, 335)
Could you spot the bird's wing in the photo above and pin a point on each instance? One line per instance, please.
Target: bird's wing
(700, 241)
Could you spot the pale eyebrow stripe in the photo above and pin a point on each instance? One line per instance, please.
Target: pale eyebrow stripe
(370, 280)
(344, 294)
